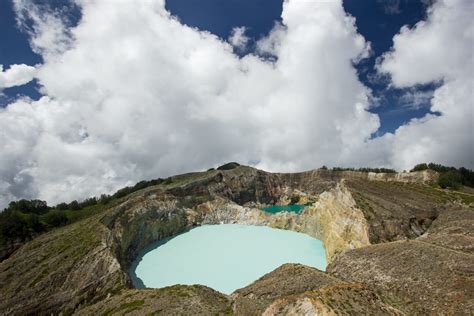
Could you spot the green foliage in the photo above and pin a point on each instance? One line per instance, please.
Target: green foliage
(168, 181)
(62, 206)
(13, 226)
(450, 177)
(74, 205)
(376, 170)
(229, 166)
(467, 177)
(125, 308)
(420, 167)
(29, 206)
(55, 218)
(34, 224)
(104, 199)
(24, 219)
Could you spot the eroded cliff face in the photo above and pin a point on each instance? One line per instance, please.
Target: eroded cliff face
(336, 220)
(333, 218)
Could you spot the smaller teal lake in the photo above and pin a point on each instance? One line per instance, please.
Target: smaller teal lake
(296, 208)
(224, 257)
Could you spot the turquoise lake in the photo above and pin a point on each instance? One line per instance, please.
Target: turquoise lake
(224, 257)
(280, 208)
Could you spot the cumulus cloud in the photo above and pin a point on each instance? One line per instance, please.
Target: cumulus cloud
(130, 93)
(436, 50)
(135, 94)
(16, 75)
(237, 37)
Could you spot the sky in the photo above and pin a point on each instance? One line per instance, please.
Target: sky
(96, 95)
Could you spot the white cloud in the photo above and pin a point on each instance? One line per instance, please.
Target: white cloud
(132, 94)
(438, 49)
(16, 75)
(237, 37)
(49, 34)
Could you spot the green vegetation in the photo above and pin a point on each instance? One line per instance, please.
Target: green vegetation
(450, 177)
(229, 166)
(376, 170)
(25, 219)
(125, 307)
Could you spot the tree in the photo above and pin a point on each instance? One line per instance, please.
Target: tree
(34, 224)
(74, 205)
(29, 206)
(450, 180)
(420, 167)
(55, 218)
(62, 206)
(13, 226)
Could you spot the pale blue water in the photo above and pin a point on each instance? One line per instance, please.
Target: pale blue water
(224, 257)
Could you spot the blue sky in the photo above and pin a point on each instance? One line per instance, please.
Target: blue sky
(378, 21)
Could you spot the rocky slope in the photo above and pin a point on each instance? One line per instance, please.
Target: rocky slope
(172, 300)
(297, 289)
(431, 274)
(83, 267)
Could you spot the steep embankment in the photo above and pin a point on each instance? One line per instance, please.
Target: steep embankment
(84, 263)
(431, 274)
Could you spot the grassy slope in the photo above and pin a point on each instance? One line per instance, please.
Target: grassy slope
(55, 268)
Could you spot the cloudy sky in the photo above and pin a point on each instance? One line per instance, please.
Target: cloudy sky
(99, 94)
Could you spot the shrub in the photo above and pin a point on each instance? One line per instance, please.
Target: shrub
(420, 167)
(229, 166)
(450, 180)
(55, 218)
